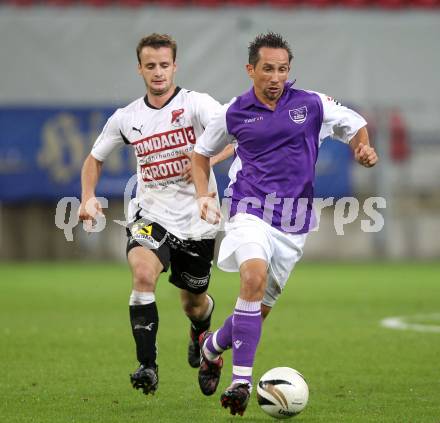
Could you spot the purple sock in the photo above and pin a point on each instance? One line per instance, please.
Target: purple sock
(246, 333)
(220, 340)
(223, 336)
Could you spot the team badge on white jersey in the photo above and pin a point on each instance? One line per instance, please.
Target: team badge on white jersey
(177, 118)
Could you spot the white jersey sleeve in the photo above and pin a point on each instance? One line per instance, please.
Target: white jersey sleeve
(216, 136)
(205, 107)
(110, 138)
(339, 122)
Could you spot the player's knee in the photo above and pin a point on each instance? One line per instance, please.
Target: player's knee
(187, 306)
(193, 307)
(191, 310)
(144, 278)
(253, 284)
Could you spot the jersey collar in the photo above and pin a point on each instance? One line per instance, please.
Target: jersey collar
(249, 98)
(147, 103)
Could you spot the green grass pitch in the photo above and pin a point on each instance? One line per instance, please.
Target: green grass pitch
(66, 348)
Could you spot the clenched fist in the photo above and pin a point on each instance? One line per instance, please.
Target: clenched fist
(365, 155)
(208, 208)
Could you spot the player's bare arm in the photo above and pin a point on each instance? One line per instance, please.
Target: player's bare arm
(207, 205)
(364, 153)
(218, 158)
(227, 152)
(90, 173)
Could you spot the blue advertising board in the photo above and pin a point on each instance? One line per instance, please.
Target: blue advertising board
(333, 170)
(42, 150)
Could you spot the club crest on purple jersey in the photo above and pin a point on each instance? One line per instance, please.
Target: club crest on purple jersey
(298, 115)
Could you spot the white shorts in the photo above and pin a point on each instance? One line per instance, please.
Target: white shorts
(279, 249)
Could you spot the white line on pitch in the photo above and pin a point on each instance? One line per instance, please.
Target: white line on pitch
(401, 323)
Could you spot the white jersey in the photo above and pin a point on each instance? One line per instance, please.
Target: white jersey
(161, 139)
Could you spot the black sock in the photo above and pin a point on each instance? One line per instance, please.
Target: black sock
(144, 323)
(200, 326)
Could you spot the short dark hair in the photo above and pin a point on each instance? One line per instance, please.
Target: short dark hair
(271, 40)
(156, 41)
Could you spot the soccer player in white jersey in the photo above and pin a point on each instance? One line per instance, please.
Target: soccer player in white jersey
(278, 130)
(165, 228)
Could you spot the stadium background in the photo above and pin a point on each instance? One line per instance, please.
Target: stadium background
(65, 342)
(65, 68)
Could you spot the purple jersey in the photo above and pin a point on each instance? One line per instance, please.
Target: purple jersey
(274, 171)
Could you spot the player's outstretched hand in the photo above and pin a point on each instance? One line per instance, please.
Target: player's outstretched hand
(365, 155)
(208, 208)
(89, 211)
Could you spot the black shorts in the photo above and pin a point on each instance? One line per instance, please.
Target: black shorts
(190, 260)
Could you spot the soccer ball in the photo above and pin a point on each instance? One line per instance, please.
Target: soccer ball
(282, 392)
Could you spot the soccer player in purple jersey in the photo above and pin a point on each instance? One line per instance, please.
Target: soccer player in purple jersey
(278, 131)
